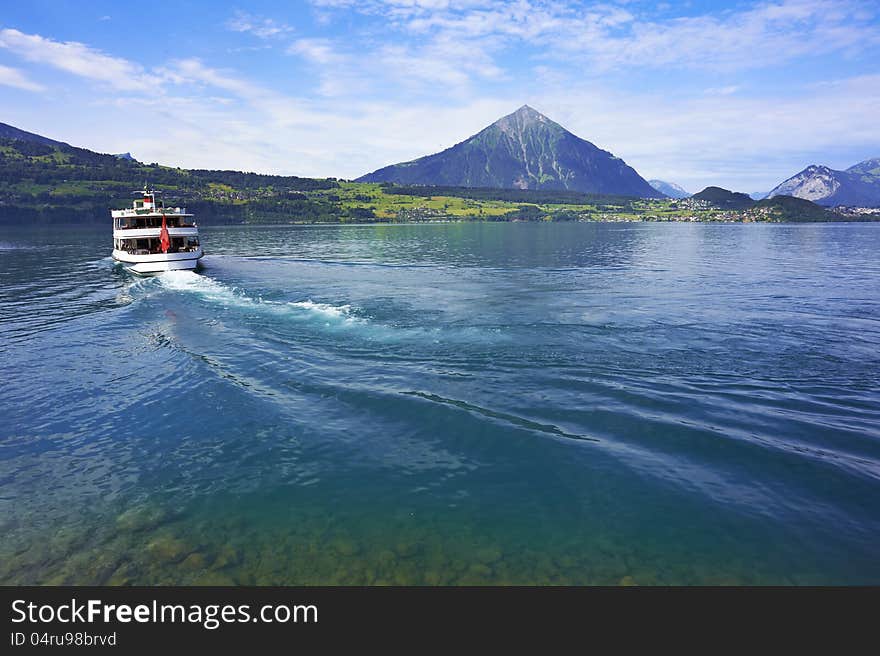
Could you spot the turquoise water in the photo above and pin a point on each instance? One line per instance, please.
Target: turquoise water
(445, 404)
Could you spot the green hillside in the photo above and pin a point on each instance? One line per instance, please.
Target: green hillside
(46, 181)
(55, 182)
(724, 199)
(789, 208)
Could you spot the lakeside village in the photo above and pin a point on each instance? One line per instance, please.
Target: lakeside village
(377, 205)
(696, 210)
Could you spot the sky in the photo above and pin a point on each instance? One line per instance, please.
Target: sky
(736, 94)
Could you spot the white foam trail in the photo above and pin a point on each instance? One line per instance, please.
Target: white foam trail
(188, 281)
(331, 316)
(9, 246)
(331, 311)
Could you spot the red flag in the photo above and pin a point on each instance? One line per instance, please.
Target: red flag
(164, 239)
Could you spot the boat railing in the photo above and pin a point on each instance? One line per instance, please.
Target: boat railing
(137, 227)
(156, 251)
(141, 211)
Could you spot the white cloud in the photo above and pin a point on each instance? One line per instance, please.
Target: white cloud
(765, 35)
(264, 28)
(429, 73)
(722, 91)
(439, 62)
(12, 77)
(193, 71)
(607, 37)
(317, 51)
(733, 140)
(76, 58)
(452, 63)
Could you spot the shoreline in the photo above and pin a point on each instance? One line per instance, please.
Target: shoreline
(276, 224)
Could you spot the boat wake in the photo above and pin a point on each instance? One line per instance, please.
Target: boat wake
(217, 292)
(326, 315)
(10, 246)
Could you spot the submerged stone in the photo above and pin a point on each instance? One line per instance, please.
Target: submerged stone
(346, 547)
(213, 579)
(125, 574)
(194, 561)
(406, 548)
(228, 556)
(386, 557)
(168, 549)
(479, 571)
(141, 518)
(488, 555)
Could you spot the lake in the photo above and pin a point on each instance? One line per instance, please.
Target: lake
(466, 403)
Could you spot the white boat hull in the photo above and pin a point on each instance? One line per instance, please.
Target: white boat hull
(158, 263)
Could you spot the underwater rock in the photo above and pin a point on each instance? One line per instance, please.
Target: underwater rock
(168, 549)
(433, 578)
(34, 554)
(488, 555)
(194, 561)
(627, 581)
(386, 557)
(645, 577)
(125, 574)
(345, 547)
(566, 561)
(68, 539)
(264, 578)
(604, 544)
(141, 518)
(104, 567)
(479, 571)
(228, 556)
(57, 580)
(435, 558)
(92, 567)
(213, 579)
(234, 525)
(406, 548)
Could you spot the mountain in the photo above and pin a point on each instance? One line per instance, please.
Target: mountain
(870, 167)
(758, 195)
(524, 150)
(724, 199)
(12, 132)
(669, 189)
(859, 185)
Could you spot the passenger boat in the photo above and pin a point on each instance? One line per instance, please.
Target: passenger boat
(152, 238)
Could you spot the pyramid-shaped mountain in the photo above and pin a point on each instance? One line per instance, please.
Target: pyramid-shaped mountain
(524, 150)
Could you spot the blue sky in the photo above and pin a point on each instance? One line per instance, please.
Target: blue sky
(739, 94)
